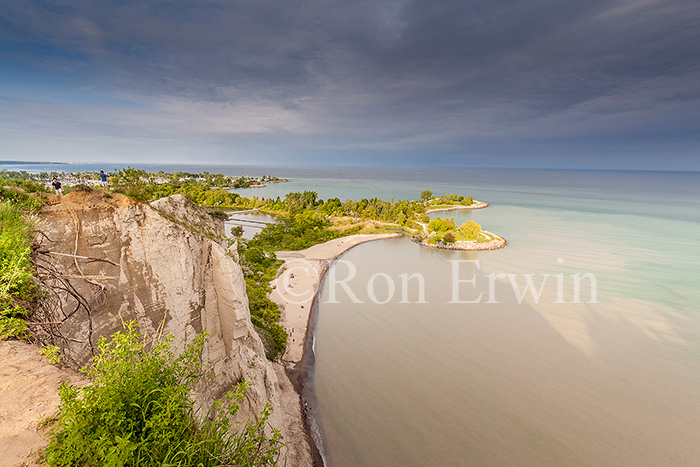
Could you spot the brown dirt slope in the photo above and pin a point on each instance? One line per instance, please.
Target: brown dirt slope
(28, 395)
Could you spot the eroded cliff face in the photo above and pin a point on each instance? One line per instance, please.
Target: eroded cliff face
(108, 259)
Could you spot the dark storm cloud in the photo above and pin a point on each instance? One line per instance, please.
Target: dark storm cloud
(393, 75)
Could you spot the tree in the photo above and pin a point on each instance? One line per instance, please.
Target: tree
(441, 225)
(426, 195)
(470, 229)
(237, 231)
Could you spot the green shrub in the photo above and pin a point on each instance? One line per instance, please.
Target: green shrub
(139, 411)
(52, 353)
(137, 184)
(296, 233)
(259, 268)
(441, 225)
(17, 291)
(18, 195)
(470, 229)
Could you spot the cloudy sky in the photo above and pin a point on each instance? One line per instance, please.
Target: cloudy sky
(536, 83)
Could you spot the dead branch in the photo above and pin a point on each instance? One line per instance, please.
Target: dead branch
(97, 278)
(79, 257)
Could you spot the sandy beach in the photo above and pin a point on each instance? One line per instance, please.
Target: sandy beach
(295, 288)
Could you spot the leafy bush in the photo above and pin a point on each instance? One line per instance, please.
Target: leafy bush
(135, 183)
(18, 192)
(441, 225)
(139, 411)
(470, 229)
(52, 353)
(17, 291)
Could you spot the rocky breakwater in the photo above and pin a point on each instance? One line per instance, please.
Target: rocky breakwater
(106, 258)
(496, 243)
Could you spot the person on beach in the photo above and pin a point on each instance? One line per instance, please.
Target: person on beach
(103, 178)
(57, 186)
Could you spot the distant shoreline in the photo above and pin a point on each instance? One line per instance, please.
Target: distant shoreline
(32, 163)
(262, 185)
(460, 207)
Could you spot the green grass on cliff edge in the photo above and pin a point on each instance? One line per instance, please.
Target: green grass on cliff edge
(17, 290)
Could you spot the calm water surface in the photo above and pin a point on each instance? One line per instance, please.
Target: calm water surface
(534, 383)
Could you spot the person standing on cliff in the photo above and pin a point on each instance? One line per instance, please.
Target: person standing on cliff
(57, 186)
(103, 178)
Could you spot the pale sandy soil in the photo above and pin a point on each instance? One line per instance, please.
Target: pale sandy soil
(295, 288)
(28, 395)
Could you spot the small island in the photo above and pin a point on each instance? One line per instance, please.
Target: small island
(450, 202)
(444, 233)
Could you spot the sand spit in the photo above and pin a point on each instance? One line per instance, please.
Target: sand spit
(295, 288)
(459, 207)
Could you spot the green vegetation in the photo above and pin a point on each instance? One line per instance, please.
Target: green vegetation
(259, 269)
(237, 231)
(202, 189)
(25, 194)
(447, 231)
(139, 411)
(52, 353)
(295, 233)
(18, 294)
(305, 220)
(211, 180)
(446, 201)
(441, 225)
(470, 230)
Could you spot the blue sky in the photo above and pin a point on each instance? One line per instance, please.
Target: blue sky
(544, 83)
